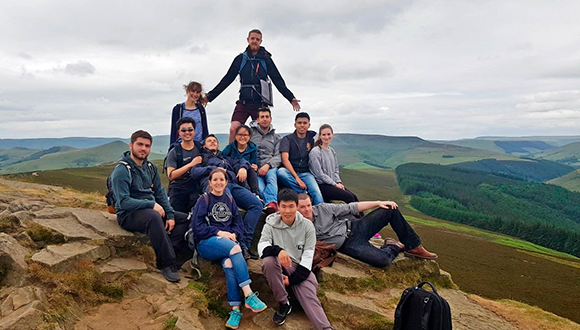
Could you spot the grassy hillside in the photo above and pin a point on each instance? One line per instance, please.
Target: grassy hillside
(568, 154)
(543, 214)
(532, 170)
(14, 155)
(570, 181)
(512, 147)
(72, 159)
(363, 151)
(46, 143)
(556, 141)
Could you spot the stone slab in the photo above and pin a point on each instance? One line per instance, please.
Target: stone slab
(62, 257)
(26, 318)
(105, 224)
(70, 228)
(12, 255)
(121, 265)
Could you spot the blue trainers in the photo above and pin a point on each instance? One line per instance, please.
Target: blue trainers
(254, 303)
(234, 319)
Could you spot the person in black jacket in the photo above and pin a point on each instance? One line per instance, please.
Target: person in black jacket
(192, 108)
(253, 65)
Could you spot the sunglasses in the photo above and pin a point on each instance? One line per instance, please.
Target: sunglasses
(183, 130)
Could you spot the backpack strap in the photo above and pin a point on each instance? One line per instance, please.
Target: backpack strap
(426, 314)
(179, 154)
(128, 166)
(399, 310)
(245, 59)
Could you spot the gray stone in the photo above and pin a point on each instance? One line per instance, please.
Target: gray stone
(152, 283)
(118, 266)
(69, 227)
(188, 320)
(25, 205)
(106, 225)
(19, 185)
(62, 257)
(19, 297)
(25, 318)
(12, 256)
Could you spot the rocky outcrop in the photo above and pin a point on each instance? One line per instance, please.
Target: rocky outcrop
(62, 257)
(22, 308)
(12, 263)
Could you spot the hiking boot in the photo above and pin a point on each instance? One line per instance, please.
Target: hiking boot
(272, 207)
(420, 253)
(283, 311)
(233, 321)
(170, 273)
(254, 303)
(246, 254)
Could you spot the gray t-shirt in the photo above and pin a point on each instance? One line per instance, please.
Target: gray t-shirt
(188, 156)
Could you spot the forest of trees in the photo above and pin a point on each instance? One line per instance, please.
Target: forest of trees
(544, 214)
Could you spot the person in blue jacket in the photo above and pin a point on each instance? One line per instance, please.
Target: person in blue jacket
(236, 171)
(142, 205)
(217, 227)
(253, 65)
(242, 147)
(192, 108)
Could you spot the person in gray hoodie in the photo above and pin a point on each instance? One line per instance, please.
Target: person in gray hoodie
(268, 142)
(287, 249)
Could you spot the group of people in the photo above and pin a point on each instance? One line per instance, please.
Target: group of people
(211, 185)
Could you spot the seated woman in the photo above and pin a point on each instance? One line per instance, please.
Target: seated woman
(242, 148)
(324, 166)
(192, 108)
(217, 224)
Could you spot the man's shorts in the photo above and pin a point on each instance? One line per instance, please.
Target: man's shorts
(243, 111)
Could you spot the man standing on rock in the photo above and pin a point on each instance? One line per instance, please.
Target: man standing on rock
(142, 205)
(287, 249)
(337, 224)
(254, 66)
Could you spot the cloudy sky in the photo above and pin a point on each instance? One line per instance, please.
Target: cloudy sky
(433, 69)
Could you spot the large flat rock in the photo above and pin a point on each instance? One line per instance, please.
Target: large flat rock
(25, 318)
(69, 227)
(61, 257)
(12, 256)
(106, 225)
(118, 266)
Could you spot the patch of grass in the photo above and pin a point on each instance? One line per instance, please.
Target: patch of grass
(141, 252)
(43, 236)
(198, 297)
(496, 238)
(170, 323)
(83, 285)
(9, 224)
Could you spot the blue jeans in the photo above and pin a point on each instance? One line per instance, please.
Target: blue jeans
(268, 186)
(311, 185)
(247, 201)
(218, 248)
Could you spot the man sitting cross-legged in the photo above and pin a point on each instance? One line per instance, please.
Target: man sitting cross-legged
(337, 224)
(142, 205)
(287, 248)
(236, 170)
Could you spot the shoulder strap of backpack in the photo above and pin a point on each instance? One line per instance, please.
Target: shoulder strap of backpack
(399, 310)
(179, 154)
(244, 61)
(128, 167)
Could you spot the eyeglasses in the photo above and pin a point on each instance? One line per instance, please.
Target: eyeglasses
(183, 130)
(243, 135)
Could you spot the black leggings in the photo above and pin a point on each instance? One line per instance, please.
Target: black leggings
(330, 192)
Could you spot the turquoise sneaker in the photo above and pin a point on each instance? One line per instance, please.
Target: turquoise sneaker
(254, 303)
(234, 319)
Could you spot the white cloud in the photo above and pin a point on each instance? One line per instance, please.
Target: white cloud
(435, 69)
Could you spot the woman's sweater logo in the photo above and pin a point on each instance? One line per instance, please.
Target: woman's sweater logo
(220, 212)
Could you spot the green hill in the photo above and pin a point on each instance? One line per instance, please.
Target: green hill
(531, 170)
(544, 214)
(570, 181)
(379, 151)
(75, 158)
(568, 154)
(511, 147)
(14, 155)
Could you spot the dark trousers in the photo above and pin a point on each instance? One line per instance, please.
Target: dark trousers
(182, 200)
(165, 245)
(330, 193)
(357, 244)
(252, 182)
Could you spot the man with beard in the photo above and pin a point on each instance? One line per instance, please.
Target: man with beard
(142, 206)
(253, 65)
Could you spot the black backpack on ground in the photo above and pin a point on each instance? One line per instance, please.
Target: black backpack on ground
(420, 309)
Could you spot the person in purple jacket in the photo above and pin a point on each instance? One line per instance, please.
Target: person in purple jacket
(217, 225)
